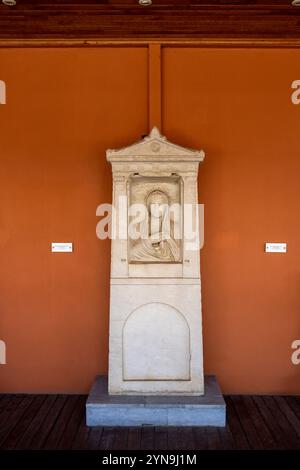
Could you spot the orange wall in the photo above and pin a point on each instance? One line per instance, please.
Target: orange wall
(64, 108)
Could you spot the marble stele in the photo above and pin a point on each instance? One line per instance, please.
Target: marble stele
(155, 332)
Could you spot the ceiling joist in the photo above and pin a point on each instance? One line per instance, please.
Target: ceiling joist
(164, 20)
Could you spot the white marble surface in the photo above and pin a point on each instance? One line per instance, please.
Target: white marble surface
(155, 338)
(185, 300)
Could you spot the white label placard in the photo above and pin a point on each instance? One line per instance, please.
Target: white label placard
(66, 247)
(275, 248)
(2, 92)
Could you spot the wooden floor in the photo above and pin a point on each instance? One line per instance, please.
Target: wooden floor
(58, 422)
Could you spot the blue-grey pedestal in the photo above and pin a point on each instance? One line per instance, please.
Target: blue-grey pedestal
(103, 409)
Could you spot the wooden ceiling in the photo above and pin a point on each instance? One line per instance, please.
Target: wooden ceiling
(163, 20)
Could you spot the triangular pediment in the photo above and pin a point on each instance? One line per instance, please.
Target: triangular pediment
(152, 147)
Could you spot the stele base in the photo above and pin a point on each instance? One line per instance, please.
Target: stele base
(103, 409)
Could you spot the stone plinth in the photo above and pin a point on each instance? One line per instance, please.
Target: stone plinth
(103, 409)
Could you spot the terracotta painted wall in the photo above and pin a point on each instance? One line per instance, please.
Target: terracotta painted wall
(64, 108)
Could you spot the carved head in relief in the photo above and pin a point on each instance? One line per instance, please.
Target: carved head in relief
(157, 203)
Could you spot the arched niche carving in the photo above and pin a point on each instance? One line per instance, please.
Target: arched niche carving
(156, 344)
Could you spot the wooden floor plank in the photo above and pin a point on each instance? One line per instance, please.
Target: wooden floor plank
(121, 439)
(259, 423)
(160, 437)
(46, 427)
(12, 415)
(80, 441)
(287, 429)
(213, 438)
(73, 424)
(147, 438)
(58, 429)
(234, 424)
(294, 403)
(172, 438)
(290, 414)
(4, 400)
(200, 436)
(186, 438)
(6, 406)
(246, 422)
(26, 439)
(58, 422)
(24, 423)
(107, 438)
(134, 439)
(275, 430)
(94, 438)
(226, 438)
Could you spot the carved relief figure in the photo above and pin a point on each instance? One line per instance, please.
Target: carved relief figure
(157, 242)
